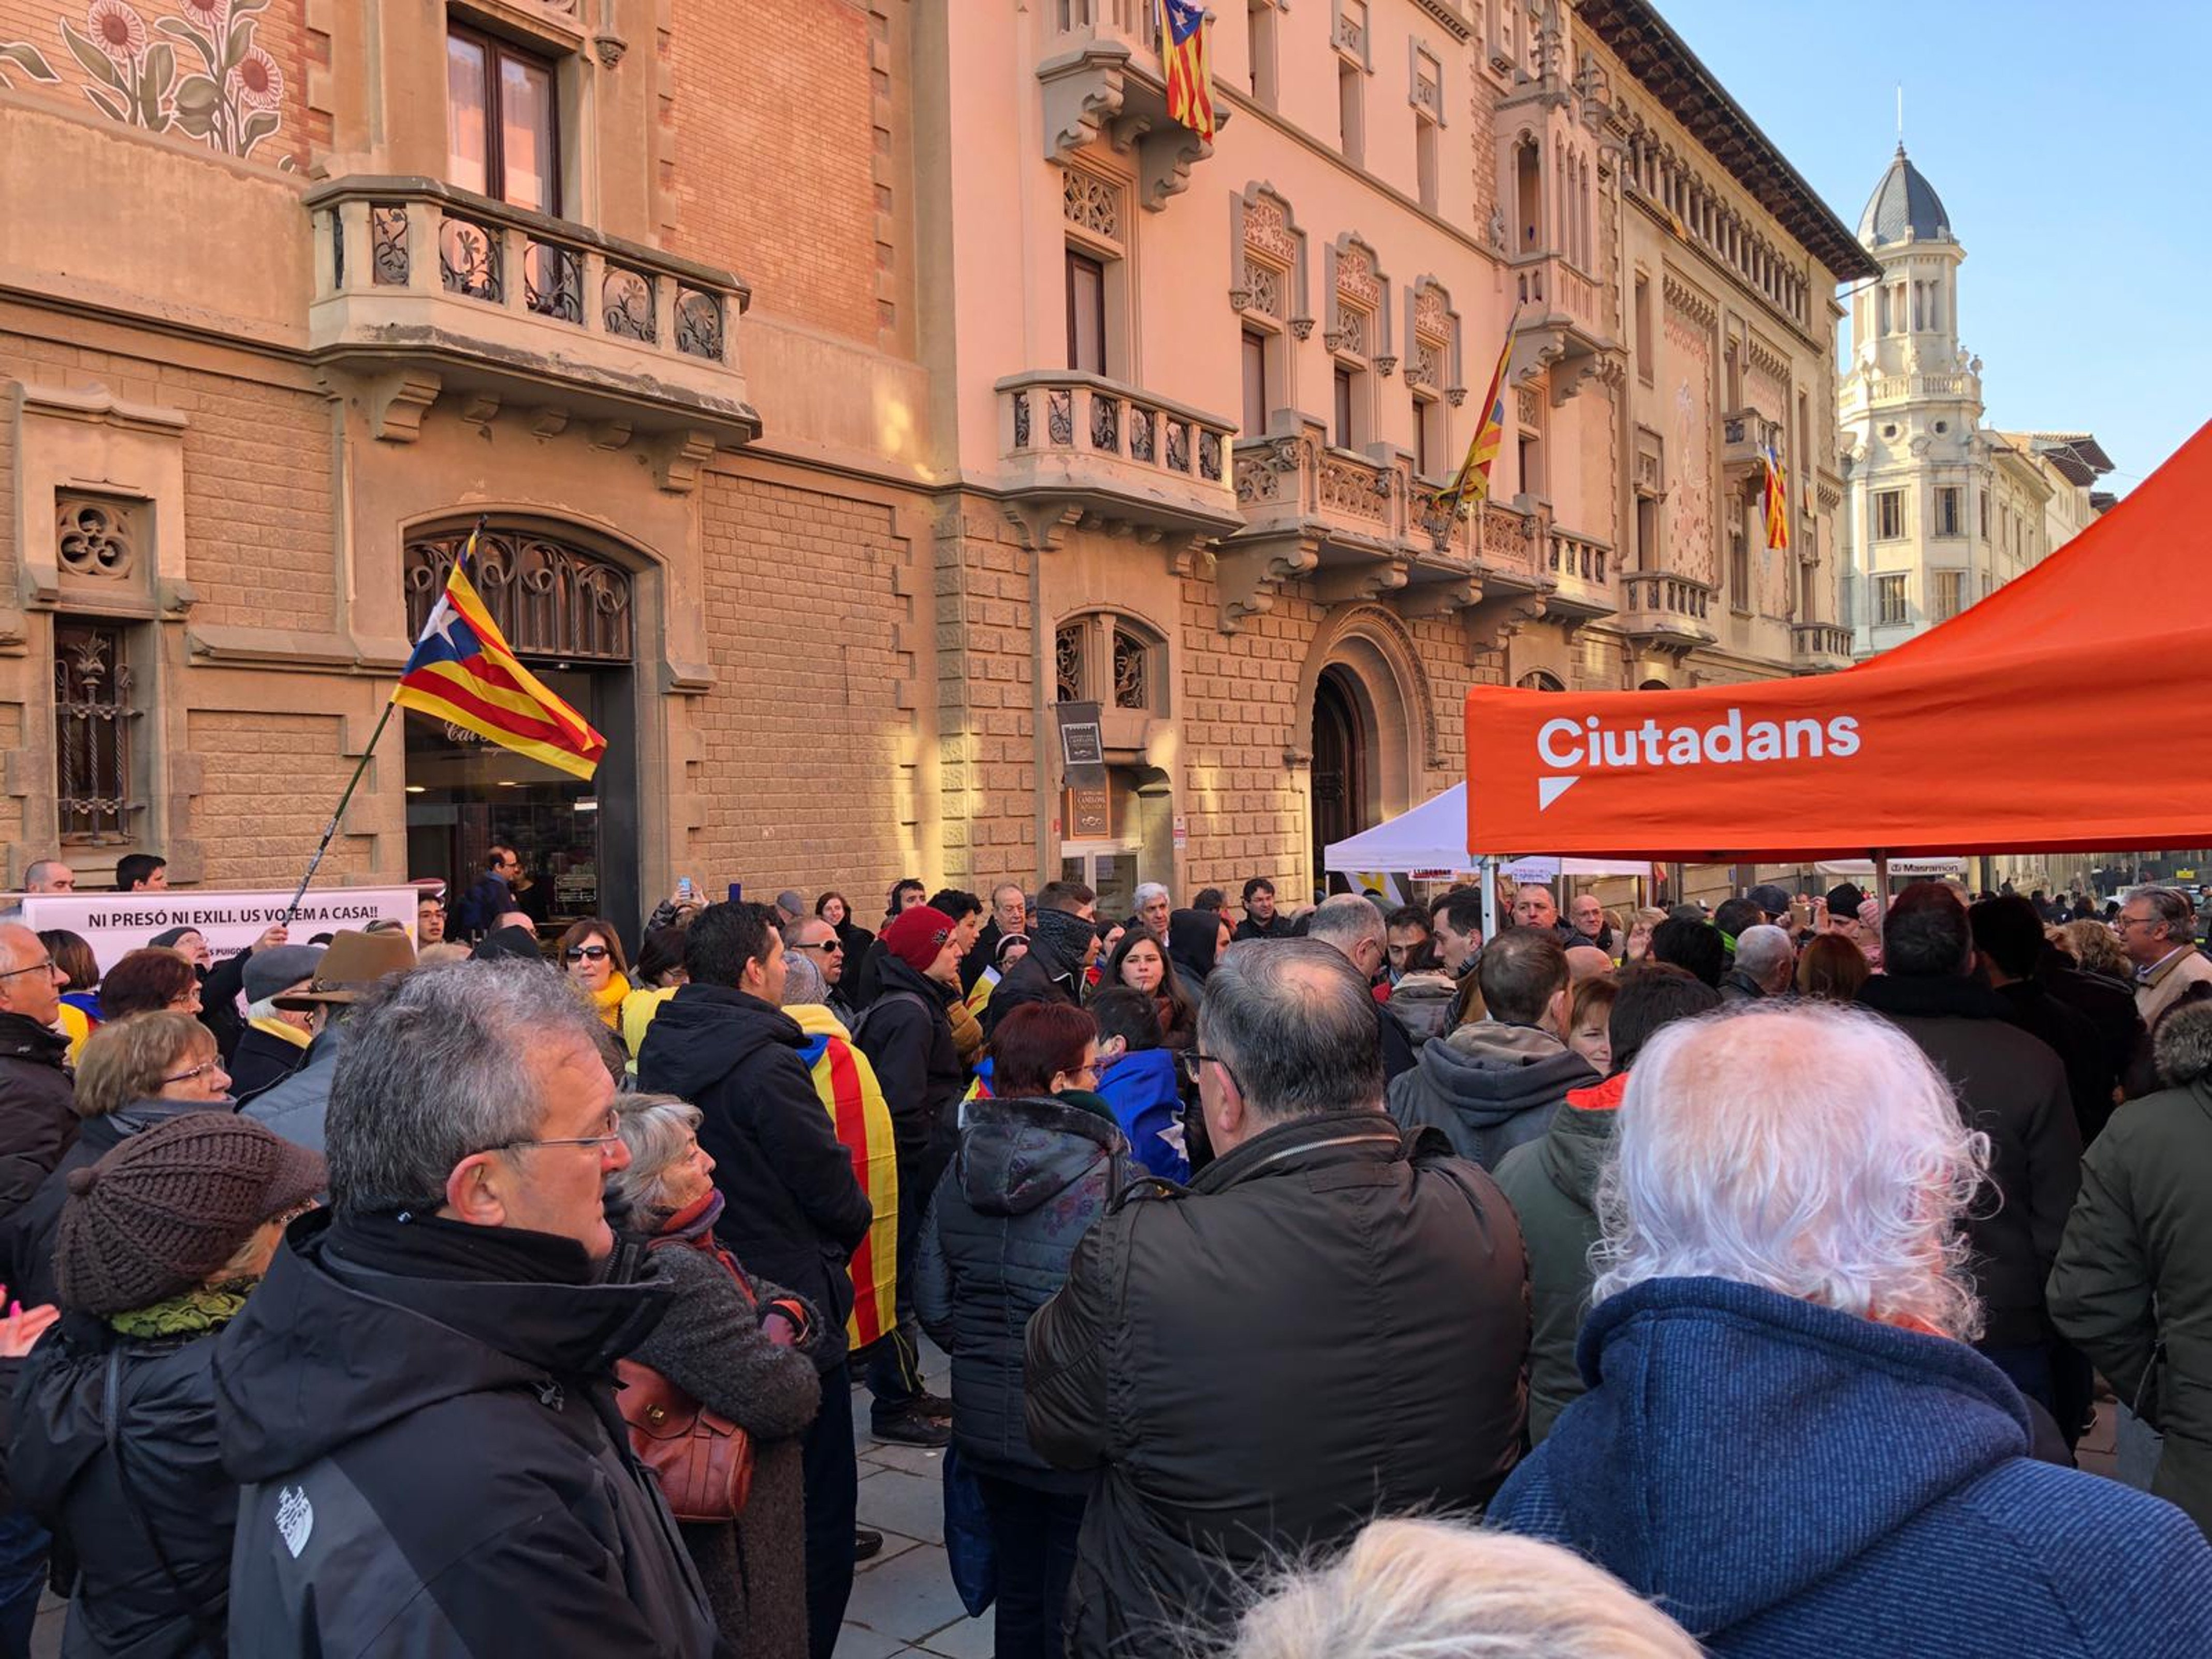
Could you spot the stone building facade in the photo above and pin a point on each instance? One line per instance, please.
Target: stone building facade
(837, 408)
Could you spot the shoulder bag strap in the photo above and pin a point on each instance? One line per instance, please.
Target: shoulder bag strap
(212, 1637)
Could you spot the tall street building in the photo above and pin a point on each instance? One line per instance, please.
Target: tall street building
(1942, 508)
(852, 392)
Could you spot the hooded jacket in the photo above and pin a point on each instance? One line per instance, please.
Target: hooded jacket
(298, 1108)
(1192, 936)
(1422, 1005)
(1029, 1179)
(1490, 1087)
(430, 1461)
(794, 1213)
(38, 1111)
(1788, 1481)
(1552, 1183)
(907, 1038)
(1143, 1089)
(2013, 1089)
(264, 1059)
(1047, 970)
(1260, 1362)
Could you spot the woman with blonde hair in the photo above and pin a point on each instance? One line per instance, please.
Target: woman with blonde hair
(1440, 1590)
(2095, 950)
(1635, 937)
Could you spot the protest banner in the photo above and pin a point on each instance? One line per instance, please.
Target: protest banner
(113, 923)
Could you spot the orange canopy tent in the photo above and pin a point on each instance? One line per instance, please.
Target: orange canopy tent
(2067, 712)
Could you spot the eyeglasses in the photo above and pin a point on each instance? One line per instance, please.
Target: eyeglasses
(1192, 1060)
(611, 1124)
(49, 966)
(828, 947)
(200, 1070)
(588, 953)
(2121, 924)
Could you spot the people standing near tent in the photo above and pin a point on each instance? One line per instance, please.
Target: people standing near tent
(1636, 945)
(1405, 929)
(1261, 921)
(2157, 929)
(1456, 918)
(1587, 924)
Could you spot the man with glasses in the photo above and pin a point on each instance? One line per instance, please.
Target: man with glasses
(1257, 1363)
(418, 1402)
(793, 1212)
(2157, 927)
(38, 1120)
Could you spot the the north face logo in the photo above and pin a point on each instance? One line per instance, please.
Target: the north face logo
(295, 1519)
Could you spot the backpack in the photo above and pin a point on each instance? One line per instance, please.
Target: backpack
(885, 999)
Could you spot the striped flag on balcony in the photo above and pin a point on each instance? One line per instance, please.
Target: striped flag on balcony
(1189, 69)
(1777, 500)
(1472, 481)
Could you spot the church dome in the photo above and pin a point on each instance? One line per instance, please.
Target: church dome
(1903, 204)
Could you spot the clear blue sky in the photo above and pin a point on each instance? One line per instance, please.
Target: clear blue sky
(2064, 142)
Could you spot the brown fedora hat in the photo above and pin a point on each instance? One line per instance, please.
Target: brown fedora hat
(353, 963)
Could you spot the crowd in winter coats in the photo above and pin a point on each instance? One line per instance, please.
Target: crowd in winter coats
(1754, 1258)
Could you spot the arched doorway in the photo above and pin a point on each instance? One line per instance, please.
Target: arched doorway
(568, 614)
(1343, 760)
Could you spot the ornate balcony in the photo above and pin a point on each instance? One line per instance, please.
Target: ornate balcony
(1745, 436)
(1331, 515)
(1080, 449)
(1564, 326)
(1102, 78)
(1583, 567)
(1663, 613)
(426, 292)
(1820, 647)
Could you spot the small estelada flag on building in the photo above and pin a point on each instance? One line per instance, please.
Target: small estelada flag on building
(1188, 66)
(463, 671)
(1778, 501)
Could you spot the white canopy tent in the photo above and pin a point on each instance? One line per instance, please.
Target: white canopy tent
(1431, 842)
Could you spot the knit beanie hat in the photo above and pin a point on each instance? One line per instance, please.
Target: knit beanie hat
(1063, 937)
(170, 1205)
(268, 972)
(918, 935)
(802, 981)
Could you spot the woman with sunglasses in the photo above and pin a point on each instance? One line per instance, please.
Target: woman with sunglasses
(592, 952)
(135, 1073)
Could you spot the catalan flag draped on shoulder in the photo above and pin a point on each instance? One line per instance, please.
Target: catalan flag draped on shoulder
(1472, 481)
(1188, 66)
(1777, 500)
(846, 1084)
(463, 671)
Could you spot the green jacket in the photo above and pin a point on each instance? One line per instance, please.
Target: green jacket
(1552, 1182)
(2132, 1285)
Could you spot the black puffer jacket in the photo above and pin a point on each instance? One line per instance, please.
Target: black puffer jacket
(907, 1039)
(794, 1213)
(59, 1467)
(38, 1111)
(430, 1460)
(1030, 1177)
(2013, 1089)
(1260, 1362)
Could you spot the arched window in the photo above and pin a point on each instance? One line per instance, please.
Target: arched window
(1540, 680)
(1111, 660)
(552, 599)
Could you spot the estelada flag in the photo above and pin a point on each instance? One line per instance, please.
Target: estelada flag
(1472, 481)
(463, 671)
(1185, 60)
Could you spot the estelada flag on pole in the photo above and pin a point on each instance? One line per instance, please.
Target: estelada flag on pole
(1473, 479)
(1185, 60)
(463, 671)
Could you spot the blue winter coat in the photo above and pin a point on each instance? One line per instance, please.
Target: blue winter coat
(1141, 1087)
(1790, 1482)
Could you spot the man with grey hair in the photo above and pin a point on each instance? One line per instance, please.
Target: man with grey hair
(38, 1118)
(1255, 1363)
(1355, 926)
(2157, 927)
(1009, 919)
(1765, 963)
(417, 1401)
(1154, 906)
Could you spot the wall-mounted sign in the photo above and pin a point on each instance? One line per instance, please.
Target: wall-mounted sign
(1089, 815)
(1082, 750)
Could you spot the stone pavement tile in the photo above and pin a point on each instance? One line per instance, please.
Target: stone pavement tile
(910, 1504)
(904, 1599)
(893, 1544)
(970, 1638)
(926, 1461)
(858, 1642)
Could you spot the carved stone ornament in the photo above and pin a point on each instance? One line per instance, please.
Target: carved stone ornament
(1302, 326)
(1091, 203)
(1267, 230)
(1386, 367)
(1356, 281)
(608, 48)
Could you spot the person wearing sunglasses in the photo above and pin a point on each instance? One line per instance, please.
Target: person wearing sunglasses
(38, 1119)
(416, 1402)
(592, 953)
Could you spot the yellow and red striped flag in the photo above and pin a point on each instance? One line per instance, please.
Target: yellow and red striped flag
(1187, 64)
(1778, 501)
(1472, 481)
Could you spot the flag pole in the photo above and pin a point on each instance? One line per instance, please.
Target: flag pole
(368, 754)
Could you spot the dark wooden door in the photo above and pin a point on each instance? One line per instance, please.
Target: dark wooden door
(1339, 770)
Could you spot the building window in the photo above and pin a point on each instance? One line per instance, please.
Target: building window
(1889, 515)
(1947, 510)
(1133, 671)
(1428, 438)
(1255, 383)
(92, 722)
(1100, 642)
(1259, 14)
(1087, 314)
(1343, 433)
(1889, 599)
(1532, 464)
(1068, 677)
(1945, 598)
(1647, 369)
(1424, 162)
(1740, 574)
(502, 127)
(1981, 527)
(1350, 135)
(1528, 195)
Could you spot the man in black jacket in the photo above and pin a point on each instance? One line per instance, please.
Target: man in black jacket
(1063, 942)
(38, 1117)
(1259, 1362)
(1261, 919)
(418, 1401)
(1010, 913)
(793, 1212)
(2012, 1088)
(2009, 942)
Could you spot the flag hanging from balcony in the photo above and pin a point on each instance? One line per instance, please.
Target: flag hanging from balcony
(1472, 481)
(1778, 501)
(1184, 59)
(463, 671)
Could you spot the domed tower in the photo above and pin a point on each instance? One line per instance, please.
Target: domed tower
(1910, 319)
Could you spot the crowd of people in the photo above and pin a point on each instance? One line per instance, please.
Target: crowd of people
(1344, 1279)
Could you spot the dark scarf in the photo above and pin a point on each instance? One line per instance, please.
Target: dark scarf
(416, 1246)
(1061, 938)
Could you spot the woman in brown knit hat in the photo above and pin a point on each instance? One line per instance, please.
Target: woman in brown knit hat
(161, 1243)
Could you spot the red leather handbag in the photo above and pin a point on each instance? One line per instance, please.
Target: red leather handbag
(705, 1461)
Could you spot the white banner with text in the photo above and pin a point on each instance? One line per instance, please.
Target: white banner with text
(114, 923)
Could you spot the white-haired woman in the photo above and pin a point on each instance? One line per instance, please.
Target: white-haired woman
(1413, 1589)
(1787, 1441)
(740, 1347)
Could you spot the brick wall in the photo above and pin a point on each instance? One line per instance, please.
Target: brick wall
(773, 152)
(271, 781)
(1245, 807)
(806, 750)
(987, 698)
